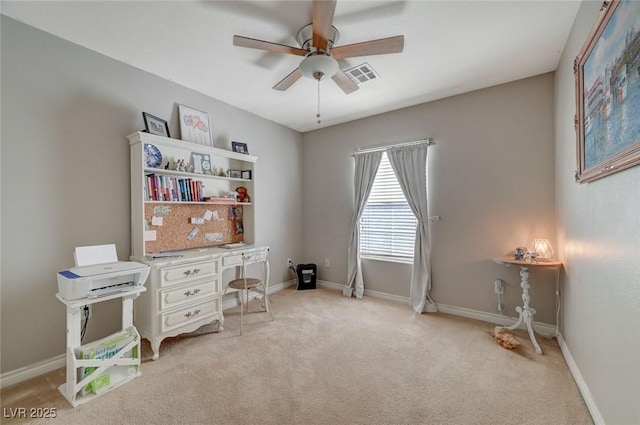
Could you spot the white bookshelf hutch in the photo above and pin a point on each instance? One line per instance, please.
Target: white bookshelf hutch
(185, 285)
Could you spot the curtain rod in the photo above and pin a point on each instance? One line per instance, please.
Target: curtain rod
(429, 141)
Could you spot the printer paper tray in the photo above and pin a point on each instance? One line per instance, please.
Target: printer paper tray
(101, 292)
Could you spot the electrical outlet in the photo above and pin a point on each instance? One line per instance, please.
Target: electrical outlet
(327, 262)
(87, 311)
(498, 286)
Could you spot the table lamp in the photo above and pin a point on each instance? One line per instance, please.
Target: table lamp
(543, 248)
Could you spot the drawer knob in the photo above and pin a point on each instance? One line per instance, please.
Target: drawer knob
(190, 272)
(195, 313)
(190, 293)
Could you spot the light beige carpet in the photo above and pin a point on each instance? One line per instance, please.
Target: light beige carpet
(327, 359)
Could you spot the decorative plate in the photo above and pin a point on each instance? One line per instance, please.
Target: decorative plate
(152, 156)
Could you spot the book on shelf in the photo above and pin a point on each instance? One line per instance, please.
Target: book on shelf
(172, 189)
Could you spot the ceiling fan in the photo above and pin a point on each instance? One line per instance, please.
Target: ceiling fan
(317, 41)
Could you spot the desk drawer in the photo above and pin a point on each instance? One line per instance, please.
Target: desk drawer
(169, 321)
(184, 273)
(236, 260)
(170, 298)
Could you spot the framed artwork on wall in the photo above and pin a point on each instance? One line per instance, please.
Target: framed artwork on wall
(194, 126)
(155, 125)
(607, 71)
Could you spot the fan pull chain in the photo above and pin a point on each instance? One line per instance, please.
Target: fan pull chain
(318, 114)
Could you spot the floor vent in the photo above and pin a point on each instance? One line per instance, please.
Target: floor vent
(362, 73)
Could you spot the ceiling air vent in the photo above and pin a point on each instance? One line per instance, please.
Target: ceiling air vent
(362, 73)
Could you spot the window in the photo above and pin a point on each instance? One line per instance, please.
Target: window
(387, 225)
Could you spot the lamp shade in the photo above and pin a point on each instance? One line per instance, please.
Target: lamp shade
(318, 66)
(543, 248)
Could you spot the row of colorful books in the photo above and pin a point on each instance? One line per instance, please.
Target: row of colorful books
(172, 189)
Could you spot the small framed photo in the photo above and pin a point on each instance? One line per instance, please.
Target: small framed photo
(246, 174)
(194, 126)
(234, 174)
(201, 163)
(240, 147)
(155, 125)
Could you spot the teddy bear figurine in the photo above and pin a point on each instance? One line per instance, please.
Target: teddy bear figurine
(243, 196)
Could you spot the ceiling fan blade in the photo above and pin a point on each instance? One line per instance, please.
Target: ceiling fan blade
(367, 48)
(346, 84)
(323, 11)
(252, 43)
(288, 81)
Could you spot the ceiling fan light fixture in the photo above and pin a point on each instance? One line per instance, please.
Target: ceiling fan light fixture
(318, 65)
(305, 37)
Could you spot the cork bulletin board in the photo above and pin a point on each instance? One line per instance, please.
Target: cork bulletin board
(172, 226)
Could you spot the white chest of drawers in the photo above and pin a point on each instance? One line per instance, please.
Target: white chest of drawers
(185, 293)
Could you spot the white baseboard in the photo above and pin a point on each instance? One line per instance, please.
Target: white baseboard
(46, 366)
(330, 285)
(367, 292)
(456, 311)
(494, 318)
(582, 385)
(28, 372)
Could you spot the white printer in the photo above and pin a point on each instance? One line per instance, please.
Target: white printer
(98, 272)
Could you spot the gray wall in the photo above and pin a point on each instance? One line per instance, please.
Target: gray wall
(491, 179)
(599, 237)
(66, 112)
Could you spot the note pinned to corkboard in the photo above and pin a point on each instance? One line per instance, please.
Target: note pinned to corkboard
(186, 226)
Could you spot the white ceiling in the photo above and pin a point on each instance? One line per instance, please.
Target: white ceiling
(451, 47)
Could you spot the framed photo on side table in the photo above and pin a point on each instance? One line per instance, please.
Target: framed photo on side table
(240, 147)
(607, 71)
(155, 125)
(194, 126)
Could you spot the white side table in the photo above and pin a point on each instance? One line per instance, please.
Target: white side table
(526, 313)
(71, 388)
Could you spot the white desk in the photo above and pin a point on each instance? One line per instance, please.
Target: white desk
(232, 259)
(185, 291)
(525, 312)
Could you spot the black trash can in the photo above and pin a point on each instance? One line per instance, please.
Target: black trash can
(306, 276)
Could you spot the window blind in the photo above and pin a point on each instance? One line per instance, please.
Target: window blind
(387, 225)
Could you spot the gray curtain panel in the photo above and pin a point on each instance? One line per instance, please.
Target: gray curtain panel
(365, 172)
(409, 163)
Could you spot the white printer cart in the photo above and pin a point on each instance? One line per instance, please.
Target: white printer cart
(71, 390)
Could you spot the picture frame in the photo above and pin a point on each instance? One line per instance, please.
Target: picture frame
(201, 163)
(155, 125)
(607, 76)
(240, 147)
(234, 174)
(195, 126)
(246, 174)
